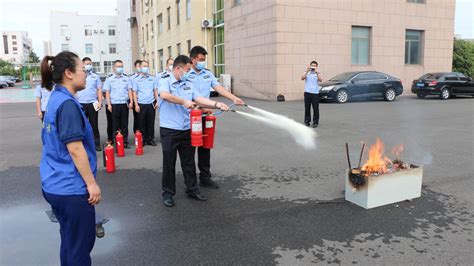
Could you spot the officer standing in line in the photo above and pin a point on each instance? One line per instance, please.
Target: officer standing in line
(108, 115)
(132, 77)
(89, 96)
(164, 73)
(118, 93)
(176, 98)
(42, 97)
(203, 80)
(311, 93)
(146, 95)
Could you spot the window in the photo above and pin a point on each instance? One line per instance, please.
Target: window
(143, 35)
(152, 29)
(177, 12)
(87, 30)
(64, 47)
(108, 66)
(413, 47)
(64, 30)
(168, 12)
(111, 30)
(96, 67)
(360, 45)
(178, 48)
(188, 9)
(15, 49)
(375, 76)
(160, 57)
(13, 43)
(169, 52)
(451, 78)
(88, 48)
(237, 2)
(160, 23)
(146, 26)
(219, 66)
(13, 37)
(5, 44)
(189, 46)
(416, 1)
(112, 48)
(153, 60)
(219, 12)
(463, 77)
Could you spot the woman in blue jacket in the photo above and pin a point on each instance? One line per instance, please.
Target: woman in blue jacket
(68, 162)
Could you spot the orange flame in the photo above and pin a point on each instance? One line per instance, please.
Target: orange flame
(377, 162)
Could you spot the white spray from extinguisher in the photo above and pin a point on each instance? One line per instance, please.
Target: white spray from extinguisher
(303, 135)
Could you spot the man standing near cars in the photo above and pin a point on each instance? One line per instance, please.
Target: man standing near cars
(311, 93)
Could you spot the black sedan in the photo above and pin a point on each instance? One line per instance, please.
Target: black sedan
(367, 84)
(443, 84)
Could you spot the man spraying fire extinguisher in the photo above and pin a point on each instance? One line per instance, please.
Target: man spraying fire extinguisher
(177, 97)
(203, 80)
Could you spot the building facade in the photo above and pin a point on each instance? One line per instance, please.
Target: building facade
(169, 28)
(16, 47)
(266, 45)
(92, 36)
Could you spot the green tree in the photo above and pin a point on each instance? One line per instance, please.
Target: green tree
(32, 57)
(463, 57)
(7, 68)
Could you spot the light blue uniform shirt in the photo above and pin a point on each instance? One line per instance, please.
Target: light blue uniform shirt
(118, 86)
(144, 87)
(43, 94)
(172, 115)
(203, 81)
(159, 76)
(311, 83)
(89, 93)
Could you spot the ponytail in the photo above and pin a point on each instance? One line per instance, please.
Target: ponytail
(53, 67)
(47, 72)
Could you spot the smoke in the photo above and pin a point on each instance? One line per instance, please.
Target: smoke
(301, 134)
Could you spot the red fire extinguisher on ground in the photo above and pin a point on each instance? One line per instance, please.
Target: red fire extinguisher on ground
(119, 144)
(138, 143)
(209, 131)
(196, 127)
(109, 158)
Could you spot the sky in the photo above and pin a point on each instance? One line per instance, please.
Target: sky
(33, 16)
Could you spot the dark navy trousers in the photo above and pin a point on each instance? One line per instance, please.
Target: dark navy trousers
(76, 219)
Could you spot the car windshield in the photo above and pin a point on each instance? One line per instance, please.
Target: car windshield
(343, 76)
(431, 76)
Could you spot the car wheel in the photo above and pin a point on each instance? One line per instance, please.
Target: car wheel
(390, 95)
(445, 94)
(342, 96)
(420, 95)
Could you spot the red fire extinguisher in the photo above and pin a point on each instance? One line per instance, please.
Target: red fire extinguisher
(196, 127)
(138, 143)
(209, 131)
(119, 144)
(109, 158)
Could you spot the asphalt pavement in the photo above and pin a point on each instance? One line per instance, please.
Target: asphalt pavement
(278, 203)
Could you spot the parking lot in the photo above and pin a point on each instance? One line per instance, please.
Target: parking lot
(278, 203)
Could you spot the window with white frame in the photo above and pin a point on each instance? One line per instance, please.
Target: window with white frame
(160, 23)
(413, 47)
(360, 45)
(64, 29)
(112, 48)
(88, 48)
(111, 30)
(87, 30)
(108, 66)
(160, 58)
(96, 67)
(188, 9)
(64, 47)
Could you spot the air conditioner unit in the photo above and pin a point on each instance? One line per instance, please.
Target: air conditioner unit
(67, 38)
(101, 31)
(206, 23)
(95, 31)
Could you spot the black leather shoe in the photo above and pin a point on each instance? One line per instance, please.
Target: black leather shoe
(98, 148)
(209, 183)
(151, 143)
(315, 125)
(126, 146)
(198, 197)
(306, 124)
(168, 202)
